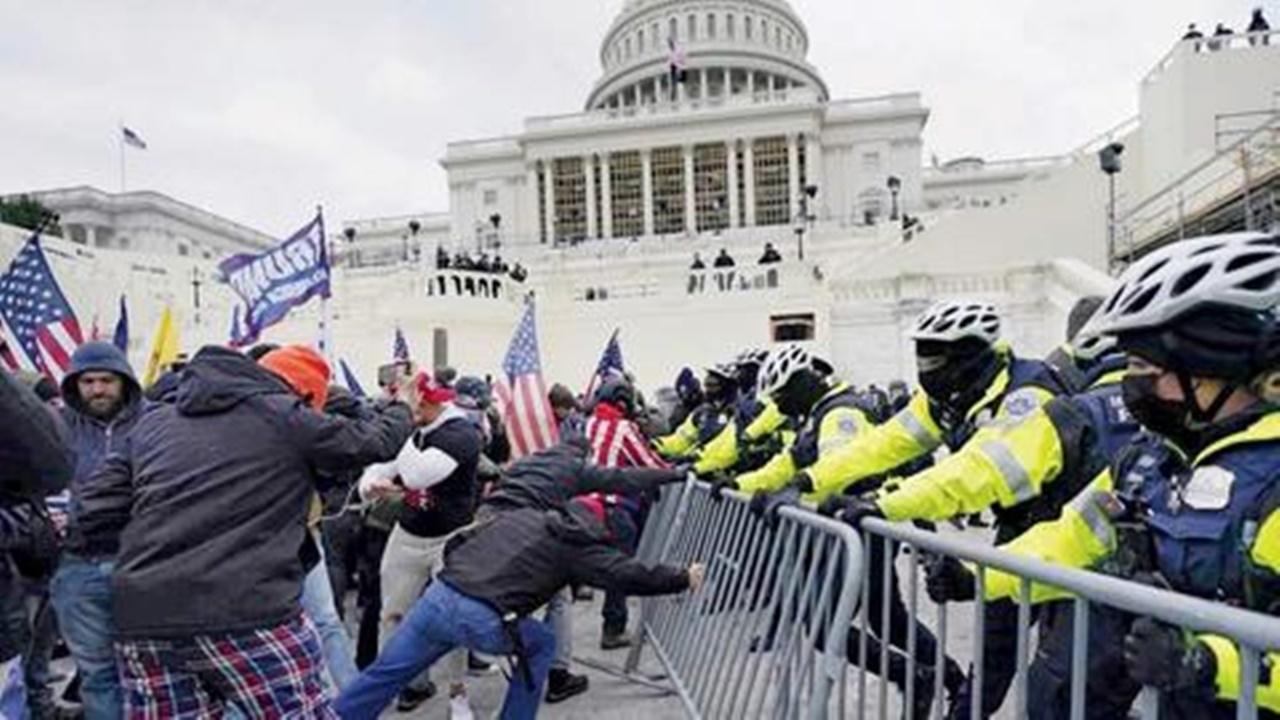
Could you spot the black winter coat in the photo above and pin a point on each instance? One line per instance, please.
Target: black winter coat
(549, 479)
(516, 561)
(212, 492)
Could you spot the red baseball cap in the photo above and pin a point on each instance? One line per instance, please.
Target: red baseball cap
(432, 391)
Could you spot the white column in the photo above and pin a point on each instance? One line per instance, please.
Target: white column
(793, 176)
(529, 221)
(690, 193)
(588, 171)
(815, 172)
(751, 83)
(646, 183)
(749, 167)
(549, 172)
(732, 173)
(606, 195)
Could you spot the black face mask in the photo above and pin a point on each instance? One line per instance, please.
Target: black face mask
(1167, 418)
(801, 392)
(958, 382)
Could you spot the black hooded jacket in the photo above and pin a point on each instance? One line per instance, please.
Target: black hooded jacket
(549, 479)
(516, 561)
(210, 493)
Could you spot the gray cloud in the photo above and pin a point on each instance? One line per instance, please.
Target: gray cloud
(258, 111)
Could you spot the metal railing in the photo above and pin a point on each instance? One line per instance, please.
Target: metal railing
(1254, 634)
(766, 633)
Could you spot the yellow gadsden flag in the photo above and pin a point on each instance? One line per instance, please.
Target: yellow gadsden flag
(164, 348)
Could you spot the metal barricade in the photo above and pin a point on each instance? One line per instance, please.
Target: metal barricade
(765, 635)
(1253, 633)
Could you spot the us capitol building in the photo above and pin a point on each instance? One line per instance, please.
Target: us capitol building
(605, 208)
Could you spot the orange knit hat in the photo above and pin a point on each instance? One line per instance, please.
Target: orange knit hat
(305, 371)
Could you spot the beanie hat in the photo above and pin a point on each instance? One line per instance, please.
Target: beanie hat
(432, 391)
(305, 371)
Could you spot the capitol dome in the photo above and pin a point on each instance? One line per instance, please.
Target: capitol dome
(742, 46)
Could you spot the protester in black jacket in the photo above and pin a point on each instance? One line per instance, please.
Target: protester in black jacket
(212, 492)
(497, 572)
(35, 461)
(548, 480)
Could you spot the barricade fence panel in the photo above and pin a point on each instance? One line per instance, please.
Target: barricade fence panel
(765, 635)
(811, 619)
(1092, 620)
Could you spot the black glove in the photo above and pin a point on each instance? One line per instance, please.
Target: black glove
(858, 509)
(1163, 657)
(766, 505)
(948, 580)
(720, 484)
(834, 505)
(36, 556)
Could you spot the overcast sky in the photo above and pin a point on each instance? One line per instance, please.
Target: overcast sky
(259, 110)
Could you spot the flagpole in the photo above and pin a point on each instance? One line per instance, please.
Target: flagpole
(326, 332)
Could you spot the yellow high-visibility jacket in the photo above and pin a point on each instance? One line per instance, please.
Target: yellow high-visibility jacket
(835, 422)
(1084, 536)
(1016, 391)
(722, 453)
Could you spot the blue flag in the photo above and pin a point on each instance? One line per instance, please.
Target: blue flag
(349, 379)
(278, 280)
(121, 338)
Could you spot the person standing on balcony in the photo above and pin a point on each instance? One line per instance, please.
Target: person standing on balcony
(1258, 29)
(724, 259)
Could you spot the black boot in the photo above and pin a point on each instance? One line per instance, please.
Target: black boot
(411, 697)
(562, 685)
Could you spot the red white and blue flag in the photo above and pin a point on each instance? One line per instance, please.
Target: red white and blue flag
(610, 366)
(522, 394)
(38, 328)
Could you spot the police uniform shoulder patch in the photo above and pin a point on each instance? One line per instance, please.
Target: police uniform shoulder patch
(1019, 404)
(1209, 488)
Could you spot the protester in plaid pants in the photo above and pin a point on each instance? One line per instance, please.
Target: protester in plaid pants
(209, 499)
(273, 673)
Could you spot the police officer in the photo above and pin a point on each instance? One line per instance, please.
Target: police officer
(971, 385)
(744, 444)
(720, 391)
(1193, 502)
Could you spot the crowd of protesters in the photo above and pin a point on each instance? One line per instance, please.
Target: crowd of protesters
(196, 543)
(479, 262)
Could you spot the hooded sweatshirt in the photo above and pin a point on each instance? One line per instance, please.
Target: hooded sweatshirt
(93, 438)
(211, 491)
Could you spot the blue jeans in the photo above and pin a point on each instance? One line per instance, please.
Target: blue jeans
(441, 620)
(318, 604)
(81, 593)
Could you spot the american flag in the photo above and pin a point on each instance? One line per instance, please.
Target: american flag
(522, 398)
(38, 328)
(400, 349)
(610, 365)
(617, 442)
(132, 138)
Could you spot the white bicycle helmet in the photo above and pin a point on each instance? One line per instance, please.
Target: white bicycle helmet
(954, 320)
(783, 363)
(1236, 271)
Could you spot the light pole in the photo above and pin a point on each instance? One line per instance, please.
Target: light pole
(496, 221)
(804, 221)
(1109, 162)
(895, 187)
(195, 292)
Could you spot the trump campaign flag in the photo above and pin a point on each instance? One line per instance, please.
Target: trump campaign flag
(522, 395)
(38, 328)
(278, 280)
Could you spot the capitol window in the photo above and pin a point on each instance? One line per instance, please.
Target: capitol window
(674, 27)
(628, 46)
(490, 197)
(711, 197)
(626, 190)
(653, 33)
(764, 31)
(773, 205)
(640, 41)
(777, 36)
(711, 27)
(730, 28)
(571, 198)
(796, 327)
(668, 190)
(746, 27)
(693, 28)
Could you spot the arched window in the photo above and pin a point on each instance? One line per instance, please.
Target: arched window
(693, 28)
(764, 31)
(674, 28)
(628, 46)
(640, 41)
(730, 28)
(653, 33)
(711, 26)
(746, 27)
